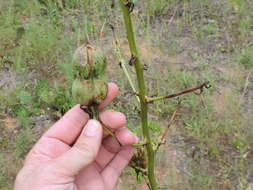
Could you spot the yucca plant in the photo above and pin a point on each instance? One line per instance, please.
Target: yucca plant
(144, 100)
(90, 88)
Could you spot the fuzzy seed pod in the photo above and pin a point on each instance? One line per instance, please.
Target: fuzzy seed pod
(88, 92)
(89, 87)
(89, 62)
(139, 159)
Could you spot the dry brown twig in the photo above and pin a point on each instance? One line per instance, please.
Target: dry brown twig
(165, 132)
(198, 87)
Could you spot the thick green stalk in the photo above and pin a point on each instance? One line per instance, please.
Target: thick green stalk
(142, 93)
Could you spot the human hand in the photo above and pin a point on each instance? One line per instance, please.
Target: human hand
(94, 162)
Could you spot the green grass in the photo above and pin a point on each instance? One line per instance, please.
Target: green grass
(23, 142)
(246, 57)
(3, 180)
(183, 43)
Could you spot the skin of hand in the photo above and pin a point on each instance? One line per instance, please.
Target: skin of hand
(74, 154)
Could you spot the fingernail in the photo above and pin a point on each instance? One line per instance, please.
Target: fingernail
(92, 128)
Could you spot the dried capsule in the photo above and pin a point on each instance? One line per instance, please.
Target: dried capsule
(89, 88)
(89, 62)
(89, 92)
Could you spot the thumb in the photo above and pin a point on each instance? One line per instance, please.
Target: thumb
(83, 152)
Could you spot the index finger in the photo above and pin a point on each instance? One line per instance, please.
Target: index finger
(113, 91)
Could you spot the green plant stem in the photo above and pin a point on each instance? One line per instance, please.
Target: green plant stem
(140, 144)
(142, 94)
(123, 65)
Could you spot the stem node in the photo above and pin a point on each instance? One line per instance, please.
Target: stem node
(130, 5)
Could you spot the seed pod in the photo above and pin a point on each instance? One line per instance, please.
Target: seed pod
(89, 62)
(89, 92)
(139, 159)
(90, 65)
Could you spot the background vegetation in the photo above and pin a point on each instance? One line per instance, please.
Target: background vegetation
(182, 43)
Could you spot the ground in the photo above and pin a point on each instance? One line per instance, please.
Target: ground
(182, 43)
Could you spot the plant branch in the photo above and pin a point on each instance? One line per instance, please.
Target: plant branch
(142, 93)
(140, 144)
(123, 63)
(164, 134)
(199, 87)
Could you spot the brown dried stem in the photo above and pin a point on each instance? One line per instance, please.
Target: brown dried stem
(199, 87)
(164, 134)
